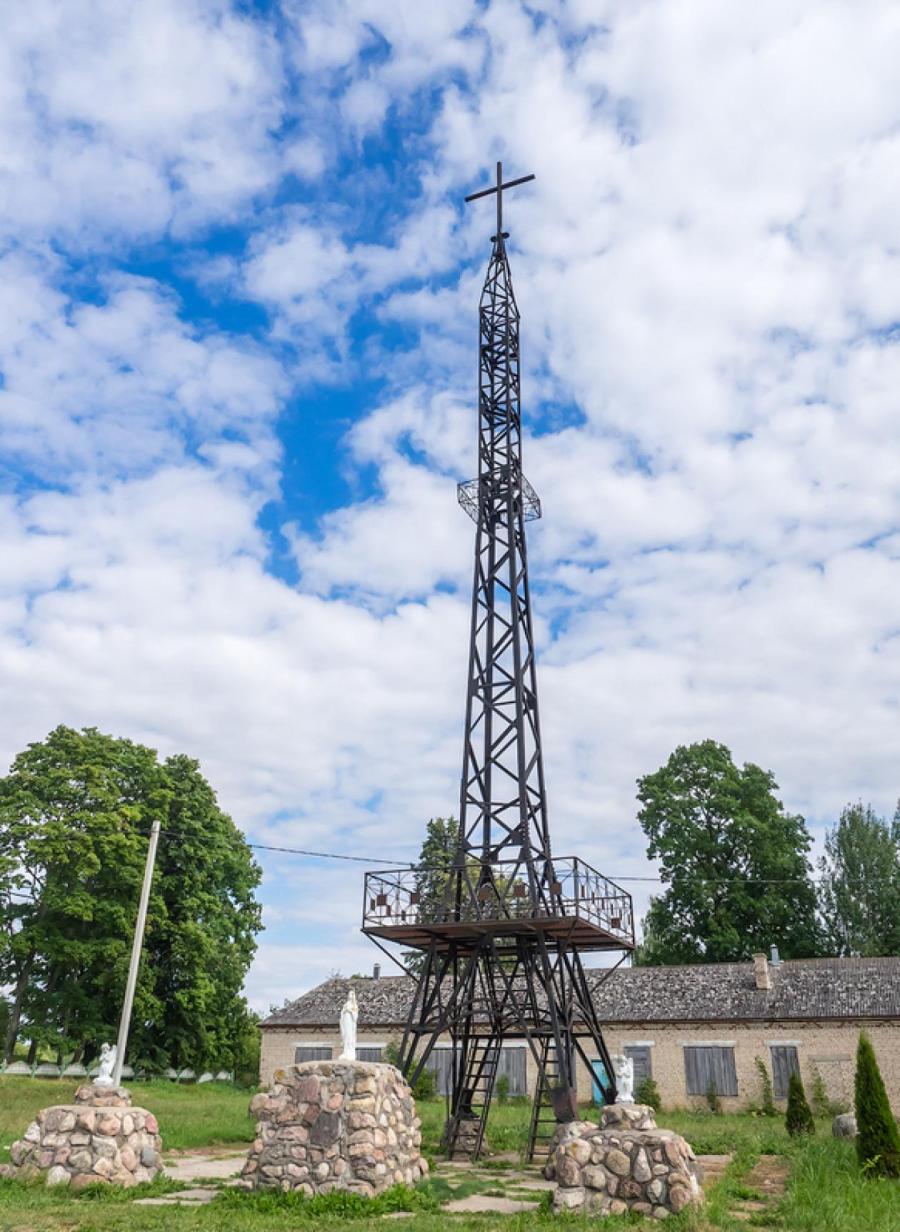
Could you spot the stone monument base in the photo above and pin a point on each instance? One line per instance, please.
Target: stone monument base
(623, 1164)
(329, 1125)
(99, 1138)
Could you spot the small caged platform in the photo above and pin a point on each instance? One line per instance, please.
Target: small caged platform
(572, 903)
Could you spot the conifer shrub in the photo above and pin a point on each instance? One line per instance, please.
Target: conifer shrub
(820, 1101)
(647, 1092)
(767, 1098)
(712, 1097)
(878, 1139)
(799, 1118)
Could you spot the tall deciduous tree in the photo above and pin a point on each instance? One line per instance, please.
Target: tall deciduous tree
(75, 813)
(733, 859)
(859, 897)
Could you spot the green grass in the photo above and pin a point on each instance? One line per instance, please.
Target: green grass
(507, 1128)
(709, 1134)
(826, 1192)
(190, 1116)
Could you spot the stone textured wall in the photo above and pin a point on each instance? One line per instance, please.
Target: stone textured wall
(827, 1046)
(100, 1137)
(328, 1125)
(623, 1164)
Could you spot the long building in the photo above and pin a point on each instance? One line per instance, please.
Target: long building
(687, 1027)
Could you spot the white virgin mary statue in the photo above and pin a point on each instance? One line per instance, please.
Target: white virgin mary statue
(349, 1015)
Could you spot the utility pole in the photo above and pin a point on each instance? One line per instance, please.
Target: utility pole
(137, 946)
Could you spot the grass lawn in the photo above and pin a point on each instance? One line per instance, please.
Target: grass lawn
(213, 1114)
(825, 1191)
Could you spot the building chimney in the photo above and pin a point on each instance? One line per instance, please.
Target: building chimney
(761, 971)
(774, 957)
(376, 971)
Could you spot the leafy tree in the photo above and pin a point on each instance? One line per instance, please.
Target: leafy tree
(877, 1139)
(432, 874)
(859, 897)
(435, 864)
(798, 1118)
(733, 859)
(75, 812)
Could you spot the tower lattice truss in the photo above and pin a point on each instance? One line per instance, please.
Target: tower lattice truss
(502, 933)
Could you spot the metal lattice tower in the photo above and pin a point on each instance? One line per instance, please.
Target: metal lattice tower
(502, 940)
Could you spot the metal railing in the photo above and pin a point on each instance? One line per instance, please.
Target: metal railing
(567, 888)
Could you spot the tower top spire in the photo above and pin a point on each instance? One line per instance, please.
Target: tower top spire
(499, 188)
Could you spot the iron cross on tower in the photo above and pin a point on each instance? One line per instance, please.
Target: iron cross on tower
(502, 932)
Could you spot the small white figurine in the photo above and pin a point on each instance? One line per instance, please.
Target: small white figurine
(349, 1015)
(107, 1065)
(624, 1069)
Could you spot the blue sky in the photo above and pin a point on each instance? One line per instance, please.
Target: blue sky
(238, 345)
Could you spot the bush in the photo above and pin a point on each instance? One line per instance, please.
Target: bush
(877, 1140)
(425, 1086)
(767, 1098)
(503, 1088)
(799, 1119)
(822, 1104)
(648, 1093)
(712, 1097)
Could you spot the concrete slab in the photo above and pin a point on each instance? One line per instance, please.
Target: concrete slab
(204, 1167)
(482, 1203)
(198, 1196)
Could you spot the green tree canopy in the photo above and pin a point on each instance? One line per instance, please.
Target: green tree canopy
(733, 859)
(435, 864)
(859, 897)
(432, 874)
(75, 814)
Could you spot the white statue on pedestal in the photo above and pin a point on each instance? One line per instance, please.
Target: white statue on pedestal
(349, 1015)
(107, 1065)
(624, 1070)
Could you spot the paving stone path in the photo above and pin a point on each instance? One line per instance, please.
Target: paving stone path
(523, 1186)
(190, 1168)
(768, 1178)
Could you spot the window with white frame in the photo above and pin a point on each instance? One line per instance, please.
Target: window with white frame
(785, 1062)
(710, 1065)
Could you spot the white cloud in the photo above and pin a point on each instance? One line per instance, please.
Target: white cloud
(122, 385)
(128, 117)
(707, 270)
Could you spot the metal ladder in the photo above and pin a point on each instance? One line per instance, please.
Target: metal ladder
(543, 1112)
(464, 1135)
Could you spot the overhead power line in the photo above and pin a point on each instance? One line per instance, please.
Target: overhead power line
(408, 865)
(376, 862)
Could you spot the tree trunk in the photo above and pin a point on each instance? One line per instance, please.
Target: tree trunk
(15, 1009)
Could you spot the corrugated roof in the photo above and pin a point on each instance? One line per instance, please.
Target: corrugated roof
(811, 988)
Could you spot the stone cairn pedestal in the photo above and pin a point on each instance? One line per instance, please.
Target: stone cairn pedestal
(100, 1137)
(623, 1164)
(329, 1125)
